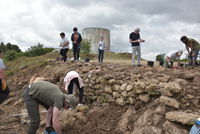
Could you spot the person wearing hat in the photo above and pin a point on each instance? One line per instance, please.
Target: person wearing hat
(169, 57)
(196, 127)
(49, 96)
(194, 46)
(135, 40)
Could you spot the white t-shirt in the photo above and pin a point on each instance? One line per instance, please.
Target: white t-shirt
(2, 64)
(172, 55)
(63, 41)
(101, 45)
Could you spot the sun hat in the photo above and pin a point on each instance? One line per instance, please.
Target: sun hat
(180, 52)
(71, 99)
(137, 29)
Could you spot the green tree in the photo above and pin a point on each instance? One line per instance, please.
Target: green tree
(160, 57)
(10, 55)
(2, 46)
(86, 46)
(35, 50)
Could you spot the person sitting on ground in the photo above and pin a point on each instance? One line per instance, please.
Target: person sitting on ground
(169, 57)
(69, 80)
(101, 48)
(65, 46)
(49, 96)
(4, 90)
(196, 127)
(194, 46)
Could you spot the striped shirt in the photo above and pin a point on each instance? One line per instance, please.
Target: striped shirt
(102, 45)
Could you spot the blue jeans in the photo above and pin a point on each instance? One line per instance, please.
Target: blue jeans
(101, 55)
(196, 52)
(194, 130)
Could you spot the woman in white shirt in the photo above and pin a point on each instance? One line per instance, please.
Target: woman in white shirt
(65, 46)
(101, 49)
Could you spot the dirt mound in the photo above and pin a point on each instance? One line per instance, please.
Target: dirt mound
(117, 99)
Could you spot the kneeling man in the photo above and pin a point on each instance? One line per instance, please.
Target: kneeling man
(46, 94)
(169, 57)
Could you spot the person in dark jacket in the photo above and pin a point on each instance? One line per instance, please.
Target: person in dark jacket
(4, 90)
(76, 41)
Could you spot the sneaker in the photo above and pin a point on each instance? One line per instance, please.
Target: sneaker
(139, 65)
(133, 66)
(80, 104)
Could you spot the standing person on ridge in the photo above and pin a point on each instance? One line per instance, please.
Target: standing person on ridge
(135, 40)
(76, 41)
(65, 46)
(4, 90)
(101, 48)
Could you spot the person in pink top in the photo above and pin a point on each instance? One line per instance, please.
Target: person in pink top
(70, 79)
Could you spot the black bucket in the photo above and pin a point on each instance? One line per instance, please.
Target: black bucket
(181, 64)
(161, 63)
(150, 63)
(87, 59)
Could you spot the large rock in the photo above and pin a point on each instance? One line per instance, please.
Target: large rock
(108, 90)
(123, 87)
(130, 87)
(132, 100)
(145, 119)
(122, 126)
(124, 94)
(120, 102)
(139, 88)
(186, 76)
(182, 117)
(112, 82)
(117, 87)
(147, 130)
(170, 89)
(116, 94)
(153, 89)
(144, 97)
(83, 108)
(170, 102)
(172, 129)
(85, 70)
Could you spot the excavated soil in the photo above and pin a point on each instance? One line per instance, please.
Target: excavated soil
(101, 118)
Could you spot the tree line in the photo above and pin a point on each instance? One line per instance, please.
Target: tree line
(13, 51)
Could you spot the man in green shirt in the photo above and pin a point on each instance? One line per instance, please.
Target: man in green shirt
(50, 96)
(194, 46)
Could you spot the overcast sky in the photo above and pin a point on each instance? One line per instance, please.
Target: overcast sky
(162, 22)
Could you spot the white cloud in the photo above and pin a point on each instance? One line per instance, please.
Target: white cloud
(162, 23)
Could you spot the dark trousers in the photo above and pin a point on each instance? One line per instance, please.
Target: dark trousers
(32, 106)
(76, 50)
(101, 55)
(63, 52)
(70, 88)
(4, 94)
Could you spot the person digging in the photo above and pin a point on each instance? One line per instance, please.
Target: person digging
(48, 95)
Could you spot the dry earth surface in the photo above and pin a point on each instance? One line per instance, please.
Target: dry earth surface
(119, 99)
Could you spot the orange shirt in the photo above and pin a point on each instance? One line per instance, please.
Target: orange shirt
(76, 36)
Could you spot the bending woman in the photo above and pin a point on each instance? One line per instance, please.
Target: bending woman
(69, 80)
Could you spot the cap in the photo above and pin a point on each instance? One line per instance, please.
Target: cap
(180, 52)
(71, 99)
(137, 29)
